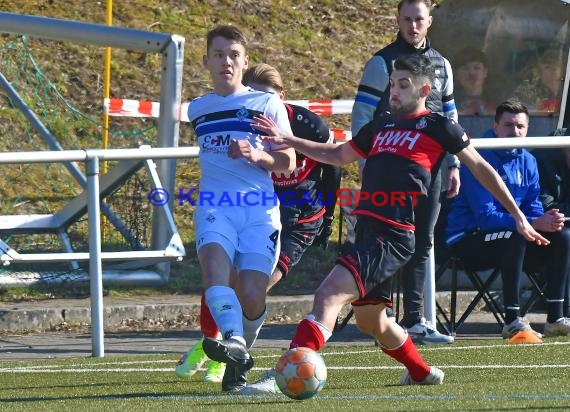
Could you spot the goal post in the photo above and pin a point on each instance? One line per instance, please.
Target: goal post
(171, 47)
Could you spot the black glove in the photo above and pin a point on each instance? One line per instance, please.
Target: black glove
(324, 232)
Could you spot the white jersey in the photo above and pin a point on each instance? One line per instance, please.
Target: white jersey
(217, 120)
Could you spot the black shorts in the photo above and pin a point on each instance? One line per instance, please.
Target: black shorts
(295, 239)
(378, 252)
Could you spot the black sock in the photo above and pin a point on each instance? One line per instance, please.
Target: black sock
(511, 314)
(554, 310)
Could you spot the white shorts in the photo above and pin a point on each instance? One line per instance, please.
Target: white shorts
(248, 234)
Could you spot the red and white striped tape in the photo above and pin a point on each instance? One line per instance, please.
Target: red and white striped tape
(146, 108)
(325, 107)
(138, 108)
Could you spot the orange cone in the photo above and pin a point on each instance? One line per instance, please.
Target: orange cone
(524, 337)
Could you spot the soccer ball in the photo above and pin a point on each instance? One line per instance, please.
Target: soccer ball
(300, 373)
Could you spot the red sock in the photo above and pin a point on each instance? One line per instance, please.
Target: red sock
(410, 357)
(308, 335)
(207, 323)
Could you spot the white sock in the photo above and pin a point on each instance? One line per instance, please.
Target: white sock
(226, 310)
(324, 330)
(251, 328)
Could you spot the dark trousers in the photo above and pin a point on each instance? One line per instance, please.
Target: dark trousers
(513, 255)
(414, 274)
(567, 289)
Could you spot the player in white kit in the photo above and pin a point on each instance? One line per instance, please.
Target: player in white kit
(237, 217)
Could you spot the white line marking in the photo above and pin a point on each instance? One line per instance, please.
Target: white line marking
(380, 367)
(406, 397)
(69, 367)
(501, 345)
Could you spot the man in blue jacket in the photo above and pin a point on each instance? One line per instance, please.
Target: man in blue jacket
(483, 233)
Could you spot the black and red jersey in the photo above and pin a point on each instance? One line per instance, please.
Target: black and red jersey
(312, 184)
(401, 154)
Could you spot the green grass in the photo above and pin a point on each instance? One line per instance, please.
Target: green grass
(480, 375)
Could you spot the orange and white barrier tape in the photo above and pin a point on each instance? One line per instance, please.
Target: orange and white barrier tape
(145, 108)
(325, 107)
(138, 108)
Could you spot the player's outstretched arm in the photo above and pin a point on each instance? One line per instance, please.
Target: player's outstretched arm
(321, 152)
(489, 178)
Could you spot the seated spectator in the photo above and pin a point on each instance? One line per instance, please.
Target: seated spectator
(554, 178)
(484, 235)
(541, 91)
(471, 96)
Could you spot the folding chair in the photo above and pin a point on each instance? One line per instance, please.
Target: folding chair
(484, 292)
(482, 286)
(538, 285)
(445, 259)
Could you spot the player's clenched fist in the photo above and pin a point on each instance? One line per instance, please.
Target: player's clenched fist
(242, 148)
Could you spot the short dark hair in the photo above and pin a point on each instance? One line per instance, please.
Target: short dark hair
(428, 3)
(510, 106)
(419, 65)
(227, 32)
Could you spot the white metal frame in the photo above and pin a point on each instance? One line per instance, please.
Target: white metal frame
(171, 47)
(563, 107)
(92, 157)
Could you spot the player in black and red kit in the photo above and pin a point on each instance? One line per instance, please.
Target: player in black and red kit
(308, 194)
(401, 151)
(307, 200)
